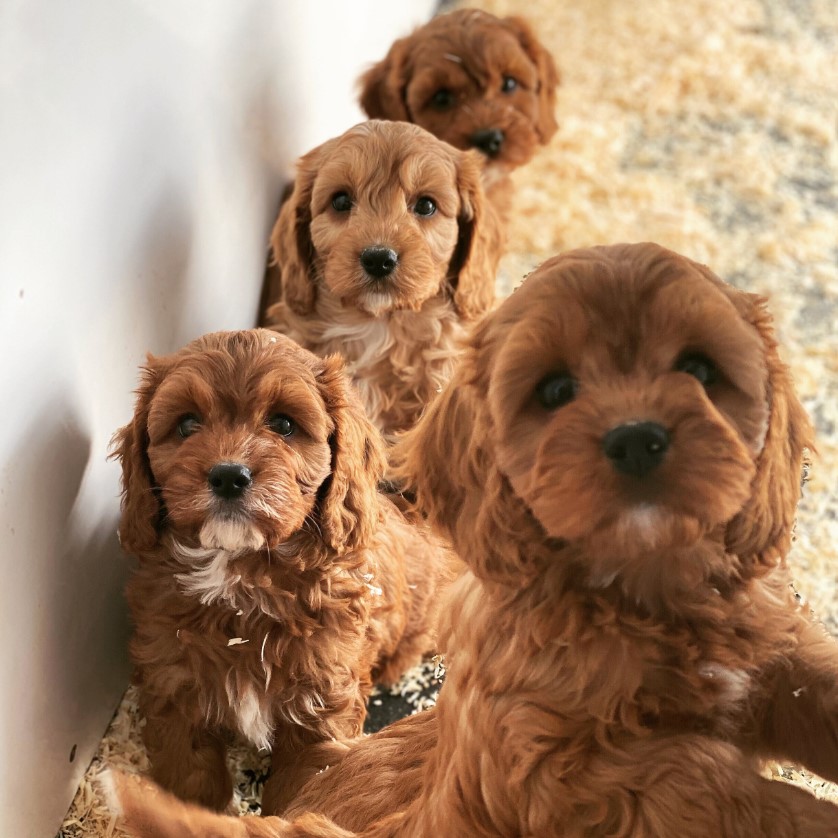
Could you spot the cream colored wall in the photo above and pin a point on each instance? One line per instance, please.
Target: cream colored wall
(142, 149)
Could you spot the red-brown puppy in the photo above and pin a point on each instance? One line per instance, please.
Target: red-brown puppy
(387, 253)
(475, 81)
(618, 461)
(273, 580)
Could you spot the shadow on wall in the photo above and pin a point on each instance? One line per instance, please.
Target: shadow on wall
(140, 181)
(68, 596)
(158, 238)
(164, 254)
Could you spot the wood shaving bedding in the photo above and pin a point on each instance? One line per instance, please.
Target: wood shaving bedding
(123, 748)
(709, 127)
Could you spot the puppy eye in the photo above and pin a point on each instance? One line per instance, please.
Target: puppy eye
(556, 390)
(698, 366)
(442, 99)
(341, 202)
(508, 84)
(424, 206)
(281, 424)
(188, 425)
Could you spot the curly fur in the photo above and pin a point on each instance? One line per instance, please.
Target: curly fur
(267, 614)
(469, 53)
(624, 648)
(400, 335)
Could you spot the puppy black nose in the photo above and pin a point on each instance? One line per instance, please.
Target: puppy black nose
(229, 480)
(379, 261)
(636, 449)
(489, 141)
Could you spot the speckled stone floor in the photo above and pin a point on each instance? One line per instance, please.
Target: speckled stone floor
(710, 127)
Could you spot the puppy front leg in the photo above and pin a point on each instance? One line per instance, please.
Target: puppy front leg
(189, 761)
(798, 718)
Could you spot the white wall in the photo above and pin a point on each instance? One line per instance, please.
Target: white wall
(143, 144)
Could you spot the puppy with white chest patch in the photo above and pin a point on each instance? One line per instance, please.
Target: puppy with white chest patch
(386, 251)
(274, 582)
(617, 461)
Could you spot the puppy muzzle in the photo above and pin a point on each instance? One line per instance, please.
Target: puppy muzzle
(636, 448)
(229, 481)
(378, 262)
(489, 141)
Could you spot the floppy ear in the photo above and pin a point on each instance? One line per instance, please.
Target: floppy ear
(272, 279)
(437, 461)
(142, 507)
(448, 461)
(761, 532)
(548, 76)
(383, 85)
(349, 505)
(480, 242)
(293, 252)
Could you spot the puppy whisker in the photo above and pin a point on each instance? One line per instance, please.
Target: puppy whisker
(311, 521)
(474, 56)
(235, 559)
(396, 313)
(636, 706)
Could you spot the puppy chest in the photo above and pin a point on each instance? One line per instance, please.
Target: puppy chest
(695, 688)
(649, 676)
(245, 673)
(256, 694)
(250, 712)
(256, 712)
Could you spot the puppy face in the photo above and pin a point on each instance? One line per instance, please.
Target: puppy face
(630, 406)
(383, 218)
(473, 80)
(241, 440)
(239, 447)
(625, 402)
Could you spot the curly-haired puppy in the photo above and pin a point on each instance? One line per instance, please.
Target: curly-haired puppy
(273, 580)
(618, 460)
(387, 251)
(475, 81)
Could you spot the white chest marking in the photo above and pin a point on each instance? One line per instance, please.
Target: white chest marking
(253, 717)
(209, 577)
(733, 684)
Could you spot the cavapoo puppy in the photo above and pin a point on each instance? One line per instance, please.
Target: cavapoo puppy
(387, 252)
(618, 461)
(273, 580)
(475, 81)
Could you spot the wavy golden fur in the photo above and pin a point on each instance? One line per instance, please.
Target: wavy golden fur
(400, 332)
(274, 581)
(475, 81)
(618, 460)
